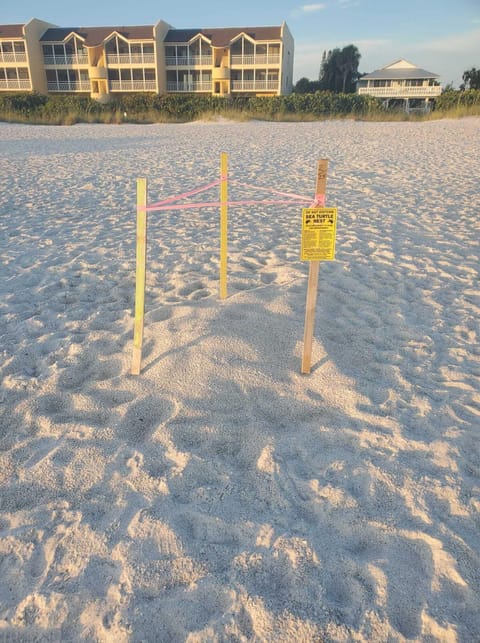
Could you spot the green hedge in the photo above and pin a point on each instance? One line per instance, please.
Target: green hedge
(454, 98)
(182, 107)
(71, 108)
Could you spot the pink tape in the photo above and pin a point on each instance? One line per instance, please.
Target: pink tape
(187, 194)
(319, 200)
(166, 204)
(214, 204)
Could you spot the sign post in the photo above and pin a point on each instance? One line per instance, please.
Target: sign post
(318, 244)
(223, 224)
(140, 275)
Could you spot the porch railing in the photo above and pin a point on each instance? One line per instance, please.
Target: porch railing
(130, 59)
(133, 86)
(189, 61)
(398, 91)
(255, 85)
(72, 86)
(259, 59)
(74, 59)
(13, 58)
(193, 86)
(13, 83)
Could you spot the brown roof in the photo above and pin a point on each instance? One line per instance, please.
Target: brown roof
(224, 36)
(94, 36)
(11, 31)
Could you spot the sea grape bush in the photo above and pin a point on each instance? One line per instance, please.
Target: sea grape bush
(71, 108)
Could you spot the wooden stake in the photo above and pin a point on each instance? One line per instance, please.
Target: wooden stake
(223, 224)
(140, 275)
(313, 271)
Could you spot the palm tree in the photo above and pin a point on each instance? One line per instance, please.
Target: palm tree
(472, 77)
(339, 69)
(348, 67)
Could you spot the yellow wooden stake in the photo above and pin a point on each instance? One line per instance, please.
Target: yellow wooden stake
(140, 275)
(223, 224)
(313, 271)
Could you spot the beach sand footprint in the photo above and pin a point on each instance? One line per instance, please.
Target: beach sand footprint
(144, 417)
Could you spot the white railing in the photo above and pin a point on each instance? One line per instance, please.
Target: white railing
(13, 58)
(401, 92)
(254, 85)
(73, 86)
(194, 86)
(189, 61)
(74, 59)
(133, 86)
(130, 59)
(259, 59)
(13, 83)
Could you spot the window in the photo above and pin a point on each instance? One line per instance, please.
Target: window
(111, 46)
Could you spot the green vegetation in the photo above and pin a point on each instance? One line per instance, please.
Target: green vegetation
(471, 77)
(152, 108)
(338, 73)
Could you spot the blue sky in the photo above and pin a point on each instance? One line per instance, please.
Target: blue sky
(442, 36)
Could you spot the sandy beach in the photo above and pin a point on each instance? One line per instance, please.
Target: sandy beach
(221, 495)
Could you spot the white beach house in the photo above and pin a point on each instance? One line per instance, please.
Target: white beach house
(401, 81)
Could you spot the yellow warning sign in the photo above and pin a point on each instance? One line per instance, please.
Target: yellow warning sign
(319, 228)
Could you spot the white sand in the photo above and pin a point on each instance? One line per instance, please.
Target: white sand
(222, 496)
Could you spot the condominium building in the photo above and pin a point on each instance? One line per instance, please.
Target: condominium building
(104, 61)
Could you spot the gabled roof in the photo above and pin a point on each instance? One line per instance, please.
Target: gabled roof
(223, 37)
(11, 31)
(399, 70)
(93, 36)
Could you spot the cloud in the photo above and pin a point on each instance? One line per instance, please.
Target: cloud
(311, 8)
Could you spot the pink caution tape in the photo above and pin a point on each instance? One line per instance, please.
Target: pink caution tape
(169, 203)
(215, 204)
(187, 194)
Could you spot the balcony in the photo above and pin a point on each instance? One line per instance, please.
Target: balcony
(255, 85)
(13, 58)
(272, 59)
(399, 91)
(14, 84)
(189, 61)
(74, 59)
(133, 86)
(194, 86)
(73, 86)
(129, 60)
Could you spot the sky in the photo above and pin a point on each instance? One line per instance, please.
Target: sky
(441, 36)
